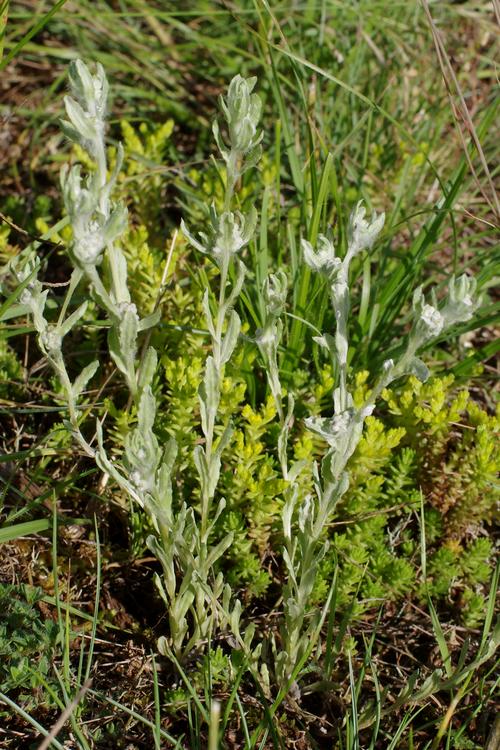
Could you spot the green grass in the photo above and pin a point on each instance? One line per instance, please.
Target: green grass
(354, 108)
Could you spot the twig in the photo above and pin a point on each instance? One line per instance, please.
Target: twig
(24, 232)
(65, 715)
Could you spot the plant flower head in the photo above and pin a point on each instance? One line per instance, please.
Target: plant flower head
(87, 110)
(92, 230)
(462, 301)
(459, 306)
(332, 429)
(90, 90)
(229, 233)
(242, 110)
(323, 260)
(361, 232)
(275, 288)
(432, 320)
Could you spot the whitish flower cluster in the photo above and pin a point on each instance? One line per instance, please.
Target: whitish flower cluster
(323, 260)
(242, 110)
(362, 233)
(228, 233)
(95, 223)
(458, 307)
(86, 110)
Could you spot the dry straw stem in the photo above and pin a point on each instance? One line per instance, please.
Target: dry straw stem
(65, 716)
(461, 113)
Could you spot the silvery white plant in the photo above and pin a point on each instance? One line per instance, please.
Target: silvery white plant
(196, 600)
(242, 110)
(97, 222)
(191, 591)
(181, 542)
(188, 586)
(227, 234)
(33, 298)
(268, 339)
(305, 519)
